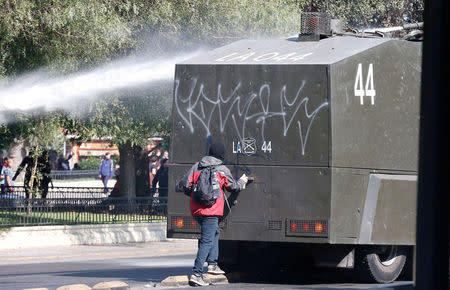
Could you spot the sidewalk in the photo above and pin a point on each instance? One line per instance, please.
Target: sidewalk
(90, 253)
(103, 234)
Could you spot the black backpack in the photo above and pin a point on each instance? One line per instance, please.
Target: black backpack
(207, 189)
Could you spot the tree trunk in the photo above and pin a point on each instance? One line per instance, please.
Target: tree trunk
(33, 177)
(127, 179)
(17, 152)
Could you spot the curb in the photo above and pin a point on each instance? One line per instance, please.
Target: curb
(112, 285)
(104, 234)
(74, 287)
(178, 281)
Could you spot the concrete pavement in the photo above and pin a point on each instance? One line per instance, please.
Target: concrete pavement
(55, 236)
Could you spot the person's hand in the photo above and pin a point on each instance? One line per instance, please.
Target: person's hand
(100, 176)
(244, 178)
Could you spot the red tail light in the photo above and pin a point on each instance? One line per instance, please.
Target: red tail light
(293, 226)
(307, 228)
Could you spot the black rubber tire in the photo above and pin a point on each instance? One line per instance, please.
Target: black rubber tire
(381, 264)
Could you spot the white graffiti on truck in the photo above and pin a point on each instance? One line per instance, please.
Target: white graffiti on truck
(234, 107)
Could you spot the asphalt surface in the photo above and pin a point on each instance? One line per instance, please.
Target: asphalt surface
(139, 265)
(142, 266)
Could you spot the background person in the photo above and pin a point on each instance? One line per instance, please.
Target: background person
(2, 160)
(44, 167)
(165, 155)
(158, 157)
(152, 170)
(162, 178)
(3, 166)
(8, 174)
(106, 171)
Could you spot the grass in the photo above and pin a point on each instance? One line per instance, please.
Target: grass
(10, 218)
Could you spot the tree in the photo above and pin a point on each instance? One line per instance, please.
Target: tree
(368, 13)
(63, 35)
(128, 120)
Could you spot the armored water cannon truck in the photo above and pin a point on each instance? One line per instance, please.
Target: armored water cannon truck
(327, 124)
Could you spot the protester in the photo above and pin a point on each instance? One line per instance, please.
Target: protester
(162, 178)
(7, 183)
(106, 171)
(28, 164)
(44, 169)
(208, 216)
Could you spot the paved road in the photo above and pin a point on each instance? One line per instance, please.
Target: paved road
(139, 265)
(142, 266)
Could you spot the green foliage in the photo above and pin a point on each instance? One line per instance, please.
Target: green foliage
(63, 34)
(34, 128)
(89, 163)
(93, 162)
(187, 23)
(131, 118)
(368, 13)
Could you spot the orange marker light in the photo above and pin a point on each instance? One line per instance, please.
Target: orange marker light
(179, 223)
(319, 228)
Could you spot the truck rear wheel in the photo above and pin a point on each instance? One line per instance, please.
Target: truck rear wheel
(381, 264)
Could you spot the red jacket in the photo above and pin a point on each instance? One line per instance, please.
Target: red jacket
(226, 181)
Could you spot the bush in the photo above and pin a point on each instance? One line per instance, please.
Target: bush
(93, 162)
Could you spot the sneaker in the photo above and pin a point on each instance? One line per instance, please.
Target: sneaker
(215, 270)
(195, 280)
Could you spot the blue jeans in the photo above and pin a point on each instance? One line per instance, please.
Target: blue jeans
(208, 245)
(105, 183)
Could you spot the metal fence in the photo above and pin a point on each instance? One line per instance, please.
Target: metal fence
(73, 174)
(78, 205)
